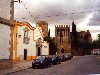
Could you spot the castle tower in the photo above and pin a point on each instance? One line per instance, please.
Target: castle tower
(44, 26)
(62, 38)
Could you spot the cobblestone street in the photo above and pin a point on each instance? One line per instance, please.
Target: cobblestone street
(80, 65)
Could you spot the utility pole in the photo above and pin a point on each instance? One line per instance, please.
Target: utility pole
(12, 10)
(12, 22)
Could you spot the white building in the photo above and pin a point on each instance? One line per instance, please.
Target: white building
(5, 9)
(45, 48)
(28, 42)
(24, 44)
(6, 42)
(42, 47)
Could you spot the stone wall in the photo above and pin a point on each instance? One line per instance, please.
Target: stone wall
(44, 26)
(5, 64)
(62, 38)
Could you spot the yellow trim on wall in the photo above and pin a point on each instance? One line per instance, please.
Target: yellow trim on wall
(31, 58)
(15, 43)
(25, 24)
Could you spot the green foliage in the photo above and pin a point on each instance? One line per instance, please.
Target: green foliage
(46, 38)
(85, 45)
(52, 45)
(96, 43)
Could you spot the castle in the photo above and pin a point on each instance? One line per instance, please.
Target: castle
(44, 26)
(62, 38)
(72, 42)
(79, 41)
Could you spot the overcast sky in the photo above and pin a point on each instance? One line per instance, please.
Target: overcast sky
(85, 13)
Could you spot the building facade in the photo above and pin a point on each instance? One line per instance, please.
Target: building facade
(5, 8)
(28, 42)
(80, 41)
(42, 47)
(62, 38)
(85, 35)
(84, 42)
(6, 43)
(24, 45)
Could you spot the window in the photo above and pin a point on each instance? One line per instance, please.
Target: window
(45, 46)
(19, 36)
(26, 39)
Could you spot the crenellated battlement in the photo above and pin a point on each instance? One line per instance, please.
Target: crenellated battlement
(62, 38)
(59, 26)
(44, 26)
(42, 22)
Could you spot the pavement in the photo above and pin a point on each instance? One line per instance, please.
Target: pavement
(79, 65)
(24, 65)
(18, 66)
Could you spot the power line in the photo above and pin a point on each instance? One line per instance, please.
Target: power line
(85, 10)
(28, 11)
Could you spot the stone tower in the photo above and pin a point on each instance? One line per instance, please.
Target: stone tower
(44, 26)
(62, 38)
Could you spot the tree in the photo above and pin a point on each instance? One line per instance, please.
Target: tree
(52, 46)
(96, 43)
(46, 38)
(85, 45)
(98, 37)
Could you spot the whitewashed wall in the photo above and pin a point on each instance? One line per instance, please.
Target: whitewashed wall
(4, 41)
(5, 9)
(38, 33)
(32, 44)
(45, 48)
(31, 47)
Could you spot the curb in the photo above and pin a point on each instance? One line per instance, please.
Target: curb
(16, 71)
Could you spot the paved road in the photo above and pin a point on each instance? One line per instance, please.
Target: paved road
(81, 65)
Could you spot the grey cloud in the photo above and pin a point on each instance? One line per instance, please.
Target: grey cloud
(50, 9)
(95, 20)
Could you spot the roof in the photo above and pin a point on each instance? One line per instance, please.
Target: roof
(5, 21)
(24, 24)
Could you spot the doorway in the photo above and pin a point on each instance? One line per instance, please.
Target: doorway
(39, 51)
(25, 54)
(62, 50)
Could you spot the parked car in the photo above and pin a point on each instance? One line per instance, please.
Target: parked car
(63, 58)
(41, 62)
(56, 59)
(70, 56)
(49, 60)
